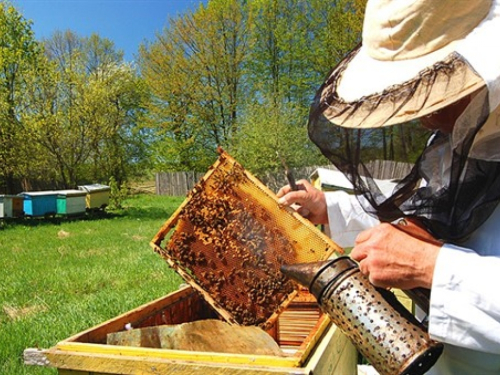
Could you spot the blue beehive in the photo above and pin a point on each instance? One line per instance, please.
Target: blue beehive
(40, 203)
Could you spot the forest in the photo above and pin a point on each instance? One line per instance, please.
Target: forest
(239, 74)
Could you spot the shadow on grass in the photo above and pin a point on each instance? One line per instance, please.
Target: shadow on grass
(49, 219)
(149, 213)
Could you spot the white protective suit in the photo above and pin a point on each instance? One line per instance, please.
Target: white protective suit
(465, 298)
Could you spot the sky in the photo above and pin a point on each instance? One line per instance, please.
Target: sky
(127, 23)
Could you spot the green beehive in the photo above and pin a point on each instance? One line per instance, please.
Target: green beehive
(71, 202)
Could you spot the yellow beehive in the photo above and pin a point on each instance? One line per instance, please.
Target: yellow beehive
(97, 196)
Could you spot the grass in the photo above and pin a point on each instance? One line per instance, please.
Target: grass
(60, 277)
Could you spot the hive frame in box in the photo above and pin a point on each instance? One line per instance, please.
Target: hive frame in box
(228, 195)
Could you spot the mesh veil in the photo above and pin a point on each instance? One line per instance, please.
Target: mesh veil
(454, 185)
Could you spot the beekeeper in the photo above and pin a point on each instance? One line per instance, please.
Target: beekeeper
(437, 62)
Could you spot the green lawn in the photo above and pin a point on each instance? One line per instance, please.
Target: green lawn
(59, 277)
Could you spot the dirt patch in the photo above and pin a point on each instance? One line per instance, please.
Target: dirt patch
(18, 313)
(63, 234)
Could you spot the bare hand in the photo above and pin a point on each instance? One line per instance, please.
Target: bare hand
(392, 258)
(311, 202)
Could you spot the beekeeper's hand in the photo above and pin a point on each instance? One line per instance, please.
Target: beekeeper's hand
(391, 257)
(308, 201)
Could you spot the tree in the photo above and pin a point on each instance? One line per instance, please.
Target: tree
(194, 72)
(113, 102)
(18, 57)
(278, 64)
(84, 110)
(274, 131)
(214, 71)
(335, 28)
(291, 44)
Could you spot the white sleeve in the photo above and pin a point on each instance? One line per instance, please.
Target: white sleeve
(346, 217)
(465, 300)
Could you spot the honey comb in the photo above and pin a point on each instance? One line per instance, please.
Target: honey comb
(230, 237)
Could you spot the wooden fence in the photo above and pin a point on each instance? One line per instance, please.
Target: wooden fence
(388, 169)
(176, 183)
(180, 183)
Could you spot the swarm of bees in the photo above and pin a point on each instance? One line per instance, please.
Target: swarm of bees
(229, 246)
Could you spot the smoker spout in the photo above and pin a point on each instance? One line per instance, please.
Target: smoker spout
(304, 273)
(317, 275)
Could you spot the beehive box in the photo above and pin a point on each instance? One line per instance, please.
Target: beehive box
(11, 206)
(311, 344)
(71, 202)
(40, 203)
(97, 196)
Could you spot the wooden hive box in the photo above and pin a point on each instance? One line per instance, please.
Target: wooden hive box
(11, 206)
(97, 196)
(71, 202)
(40, 203)
(310, 343)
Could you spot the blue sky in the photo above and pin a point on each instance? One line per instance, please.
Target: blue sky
(126, 22)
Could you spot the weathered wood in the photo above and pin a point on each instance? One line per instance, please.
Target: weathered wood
(35, 357)
(388, 169)
(221, 359)
(334, 354)
(72, 372)
(176, 183)
(180, 183)
(91, 340)
(122, 364)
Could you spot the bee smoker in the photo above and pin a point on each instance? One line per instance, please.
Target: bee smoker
(384, 332)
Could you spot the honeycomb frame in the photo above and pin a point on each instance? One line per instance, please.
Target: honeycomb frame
(229, 238)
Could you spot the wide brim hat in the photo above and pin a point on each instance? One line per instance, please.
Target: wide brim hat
(416, 57)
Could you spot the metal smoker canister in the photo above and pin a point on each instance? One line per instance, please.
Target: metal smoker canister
(385, 333)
